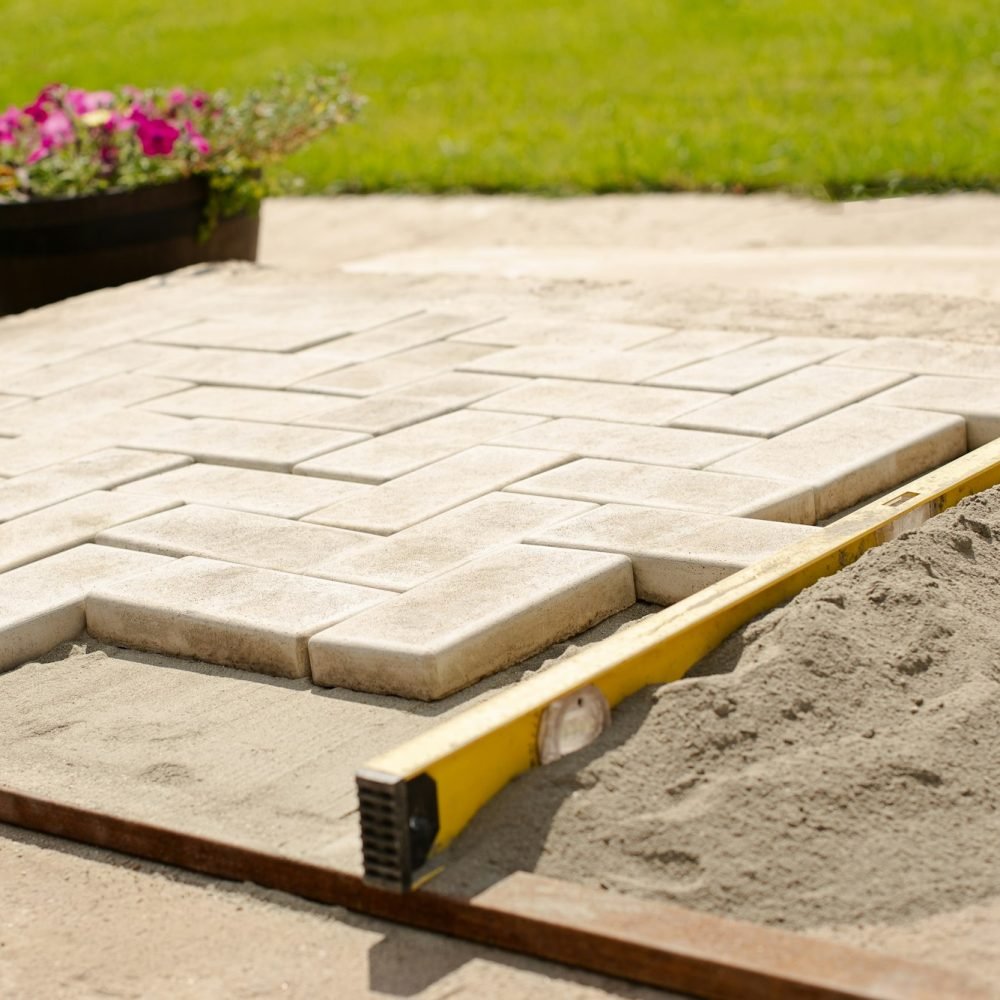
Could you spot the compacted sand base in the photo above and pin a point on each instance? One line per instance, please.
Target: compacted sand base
(845, 777)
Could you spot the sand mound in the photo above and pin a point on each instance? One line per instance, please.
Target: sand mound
(847, 772)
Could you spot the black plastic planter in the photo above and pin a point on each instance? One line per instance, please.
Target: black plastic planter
(52, 249)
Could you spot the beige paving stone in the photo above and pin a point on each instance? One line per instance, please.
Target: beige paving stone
(100, 470)
(590, 364)
(380, 414)
(854, 453)
(636, 404)
(239, 616)
(245, 369)
(391, 455)
(462, 388)
(630, 442)
(234, 536)
(436, 488)
(922, 357)
(230, 403)
(72, 522)
(448, 633)
(603, 481)
(441, 543)
(786, 402)
(8, 400)
(697, 344)
(977, 400)
(41, 604)
(102, 396)
(274, 447)
(743, 369)
(253, 490)
(547, 331)
(674, 553)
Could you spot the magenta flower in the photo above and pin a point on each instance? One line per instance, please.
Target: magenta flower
(200, 143)
(56, 130)
(9, 122)
(38, 153)
(82, 102)
(176, 97)
(199, 99)
(40, 107)
(156, 136)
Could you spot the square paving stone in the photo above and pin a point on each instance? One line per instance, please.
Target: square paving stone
(41, 605)
(449, 633)
(854, 453)
(441, 543)
(604, 481)
(238, 616)
(674, 553)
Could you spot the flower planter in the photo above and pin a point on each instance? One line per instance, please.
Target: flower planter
(52, 249)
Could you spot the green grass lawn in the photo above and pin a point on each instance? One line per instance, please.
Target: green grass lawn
(843, 98)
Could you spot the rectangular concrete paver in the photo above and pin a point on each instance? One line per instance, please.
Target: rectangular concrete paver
(786, 402)
(634, 404)
(630, 442)
(276, 493)
(275, 447)
(977, 400)
(395, 454)
(246, 369)
(270, 406)
(743, 369)
(388, 411)
(70, 523)
(545, 331)
(444, 635)
(239, 616)
(604, 481)
(674, 553)
(592, 364)
(234, 536)
(101, 470)
(441, 543)
(854, 453)
(923, 357)
(436, 488)
(41, 605)
(690, 345)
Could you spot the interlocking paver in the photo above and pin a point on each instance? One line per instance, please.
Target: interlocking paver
(390, 455)
(558, 362)
(674, 553)
(638, 404)
(240, 616)
(545, 331)
(460, 627)
(604, 481)
(436, 488)
(245, 369)
(72, 522)
(258, 492)
(630, 442)
(692, 345)
(786, 402)
(922, 357)
(101, 470)
(977, 400)
(230, 403)
(8, 400)
(234, 536)
(276, 447)
(41, 604)
(854, 453)
(441, 543)
(743, 369)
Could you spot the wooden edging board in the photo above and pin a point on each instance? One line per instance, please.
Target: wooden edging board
(414, 800)
(653, 943)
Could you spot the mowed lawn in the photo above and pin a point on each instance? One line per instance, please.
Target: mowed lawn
(836, 97)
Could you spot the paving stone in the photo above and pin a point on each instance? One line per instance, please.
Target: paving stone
(436, 488)
(636, 404)
(275, 493)
(557, 362)
(69, 523)
(229, 403)
(546, 331)
(102, 396)
(977, 400)
(41, 605)
(246, 369)
(630, 442)
(275, 447)
(469, 623)
(674, 553)
(7, 400)
(240, 616)
(695, 345)
(683, 489)
(854, 453)
(462, 388)
(786, 402)
(391, 455)
(441, 543)
(922, 357)
(380, 414)
(743, 369)
(100, 470)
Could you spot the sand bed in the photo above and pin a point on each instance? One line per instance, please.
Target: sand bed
(843, 779)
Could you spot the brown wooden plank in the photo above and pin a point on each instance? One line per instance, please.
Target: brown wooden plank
(652, 943)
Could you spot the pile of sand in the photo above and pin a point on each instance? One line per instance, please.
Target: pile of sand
(847, 772)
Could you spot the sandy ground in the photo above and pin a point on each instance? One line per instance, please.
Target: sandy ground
(84, 923)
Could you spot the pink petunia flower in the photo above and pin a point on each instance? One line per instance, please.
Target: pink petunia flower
(156, 136)
(82, 102)
(56, 130)
(38, 153)
(200, 143)
(41, 106)
(176, 97)
(10, 121)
